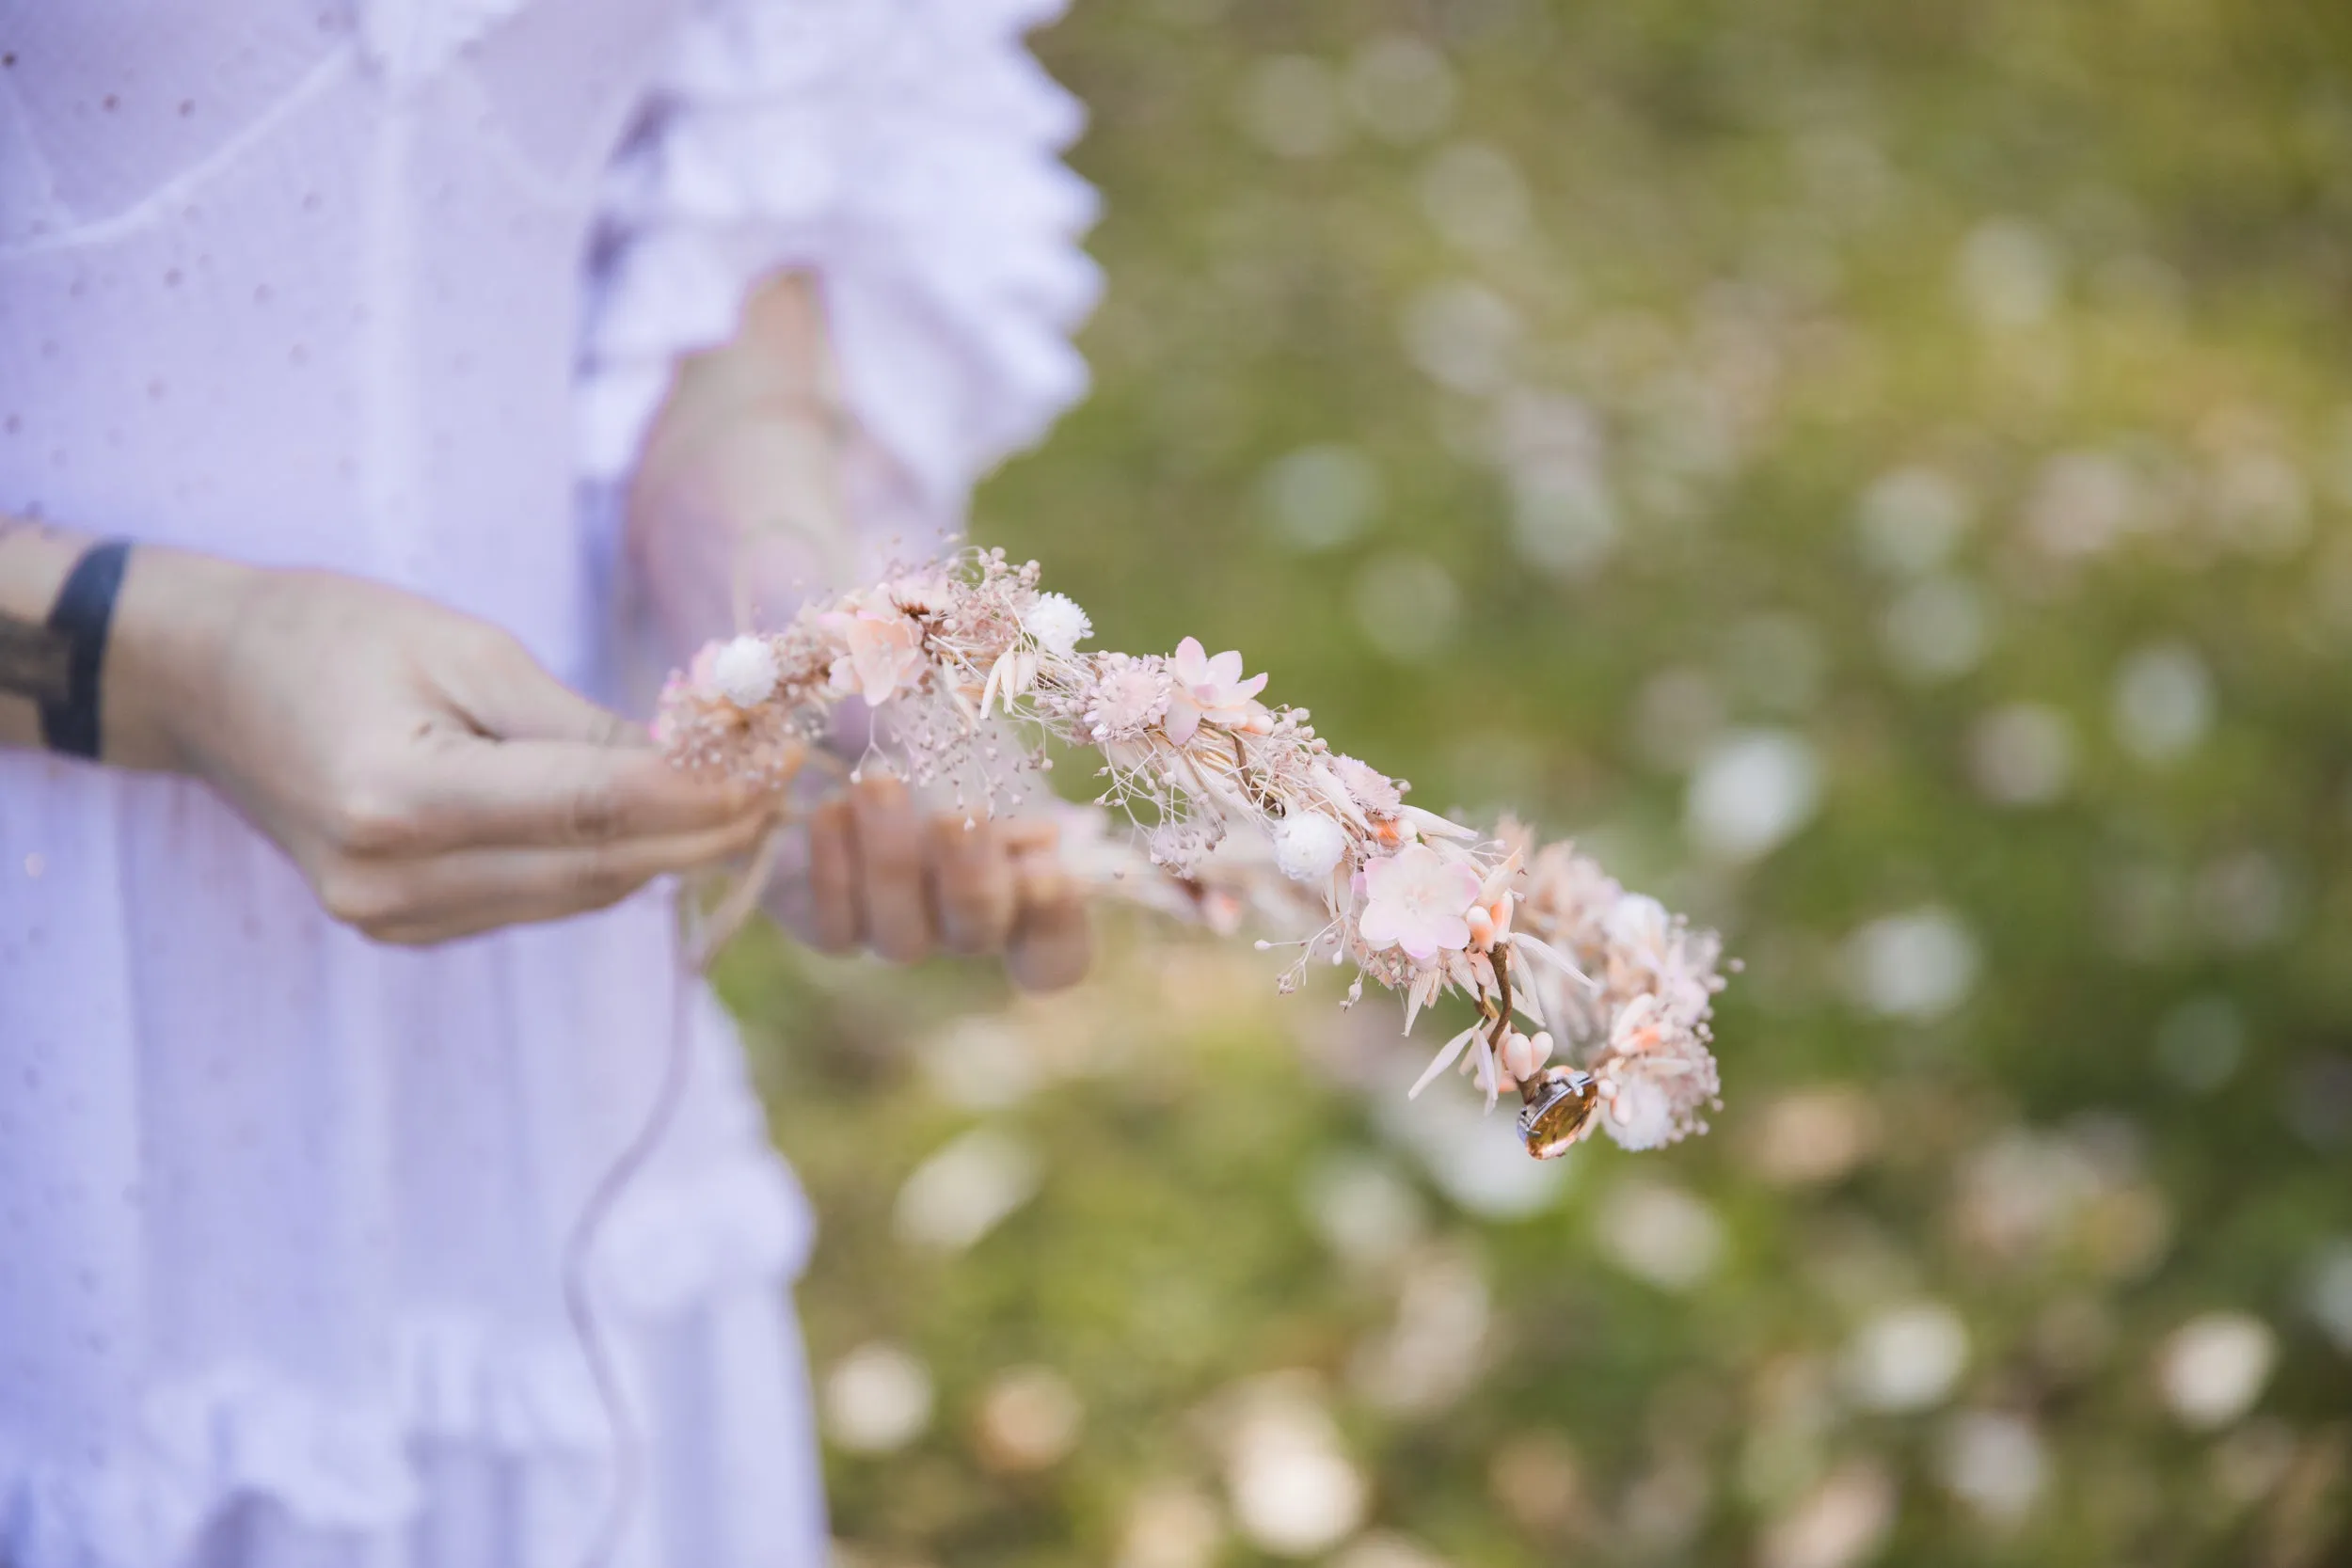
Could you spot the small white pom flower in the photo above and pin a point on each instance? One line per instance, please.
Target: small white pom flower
(1308, 845)
(745, 671)
(1057, 624)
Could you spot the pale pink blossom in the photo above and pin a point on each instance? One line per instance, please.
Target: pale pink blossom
(884, 650)
(1208, 689)
(1129, 697)
(1416, 900)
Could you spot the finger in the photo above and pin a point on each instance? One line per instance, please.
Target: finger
(890, 867)
(469, 793)
(785, 897)
(1051, 944)
(972, 883)
(1029, 836)
(835, 919)
(512, 696)
(458, 895)
(556, 712)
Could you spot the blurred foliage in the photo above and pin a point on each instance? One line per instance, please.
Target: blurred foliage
(1884, 475)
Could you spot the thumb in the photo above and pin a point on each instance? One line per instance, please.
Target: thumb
(555, 712)
(517, 698)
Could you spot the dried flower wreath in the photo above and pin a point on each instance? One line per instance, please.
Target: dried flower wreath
(1423, 905)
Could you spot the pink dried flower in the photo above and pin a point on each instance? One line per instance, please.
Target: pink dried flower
(1208, 689)
(1371, 790)
(1130, 695)
(921, 594)
(884, 650)
(1416, 900)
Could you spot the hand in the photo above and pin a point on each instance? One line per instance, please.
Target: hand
(422, 771)
(882, 875)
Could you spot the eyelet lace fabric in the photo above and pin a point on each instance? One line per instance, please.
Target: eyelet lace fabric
(411, 40)
(374, 290)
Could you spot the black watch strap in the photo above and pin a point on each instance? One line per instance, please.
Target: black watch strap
(81, 617)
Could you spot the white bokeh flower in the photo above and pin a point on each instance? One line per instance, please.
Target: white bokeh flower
(1751, 792)
(2212, 1368)
(1294, 1490)
(1908, 1357)
(965, 1190)
(877, 1399)
(1919, 965)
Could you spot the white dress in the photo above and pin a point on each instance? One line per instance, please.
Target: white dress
(394, 289)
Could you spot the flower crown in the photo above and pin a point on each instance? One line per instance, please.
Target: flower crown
(1608, 978)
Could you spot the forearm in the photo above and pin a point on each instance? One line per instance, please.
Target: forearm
(756, 487)
(33, 659)
(166, 618)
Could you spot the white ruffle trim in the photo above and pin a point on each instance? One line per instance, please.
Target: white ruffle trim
(903, 152)
(677, 1241)
(337, 1462)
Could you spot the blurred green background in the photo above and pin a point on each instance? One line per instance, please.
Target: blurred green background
(1881, 476)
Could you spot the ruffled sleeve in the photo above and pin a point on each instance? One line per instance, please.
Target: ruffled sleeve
(904, 153)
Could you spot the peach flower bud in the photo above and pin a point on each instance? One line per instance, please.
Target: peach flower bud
(1518, 1056)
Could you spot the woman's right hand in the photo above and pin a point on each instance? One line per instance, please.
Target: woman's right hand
(429, 778)
(879, 873)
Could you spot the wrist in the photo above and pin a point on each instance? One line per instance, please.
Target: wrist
(174, 620)
(35, 560)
